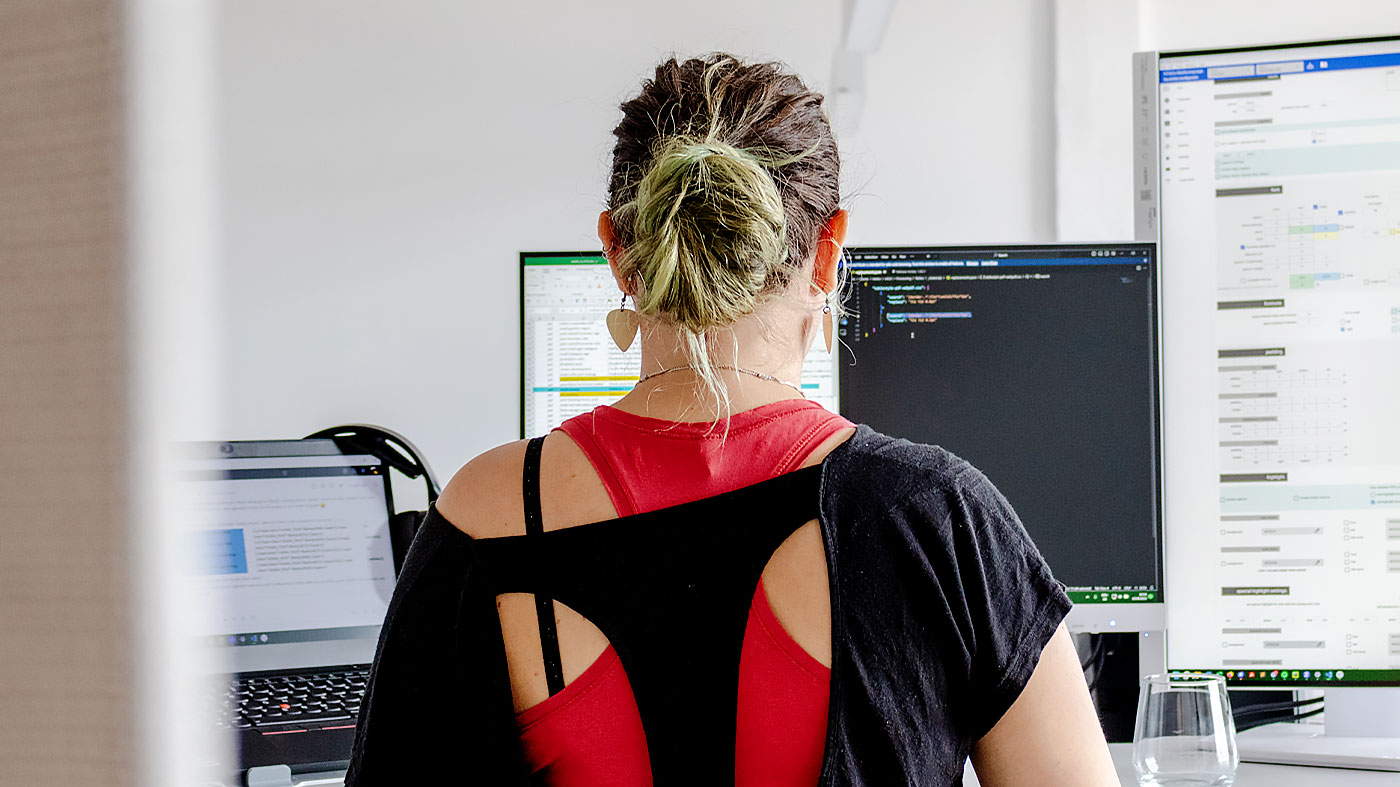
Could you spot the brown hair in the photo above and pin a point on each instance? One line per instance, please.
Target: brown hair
(723, 175)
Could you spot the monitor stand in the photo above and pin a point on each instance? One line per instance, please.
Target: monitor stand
(1361, 730)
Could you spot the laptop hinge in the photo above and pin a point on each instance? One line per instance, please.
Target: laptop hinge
(269, 776)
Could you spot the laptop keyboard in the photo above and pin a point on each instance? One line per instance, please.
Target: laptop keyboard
(304, 698)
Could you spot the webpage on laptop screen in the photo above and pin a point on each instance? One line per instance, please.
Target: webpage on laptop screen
(290, 549)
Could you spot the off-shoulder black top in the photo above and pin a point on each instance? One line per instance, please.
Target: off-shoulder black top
(940, 608)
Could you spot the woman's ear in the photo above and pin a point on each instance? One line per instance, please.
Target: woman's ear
(608, 236)
(833, 237)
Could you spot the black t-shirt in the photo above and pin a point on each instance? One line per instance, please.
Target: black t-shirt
(941, 606)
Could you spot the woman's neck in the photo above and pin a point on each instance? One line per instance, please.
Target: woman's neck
(753, 345)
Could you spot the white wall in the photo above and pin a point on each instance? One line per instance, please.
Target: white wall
(956, 143)
(382, 165)
(1095, 40)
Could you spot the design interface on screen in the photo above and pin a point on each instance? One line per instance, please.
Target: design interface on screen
(1037, 365)
(1280, 175)
(289, 549)
(570, 364)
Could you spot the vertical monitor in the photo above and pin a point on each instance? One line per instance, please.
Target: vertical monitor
(1279, 217)
(1037, 364)
(568, 362)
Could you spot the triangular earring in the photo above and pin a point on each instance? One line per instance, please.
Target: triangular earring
(826, 326)
(623, 324)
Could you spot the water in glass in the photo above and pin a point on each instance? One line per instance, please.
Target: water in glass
(1185, 735)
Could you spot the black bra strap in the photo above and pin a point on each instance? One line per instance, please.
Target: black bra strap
(544, 605)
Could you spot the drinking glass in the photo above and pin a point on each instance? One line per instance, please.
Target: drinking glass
(1184, 734)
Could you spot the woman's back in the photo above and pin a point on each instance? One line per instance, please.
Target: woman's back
(940, 608)
(628, 464)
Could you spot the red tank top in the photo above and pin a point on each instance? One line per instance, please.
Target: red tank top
(591, 732)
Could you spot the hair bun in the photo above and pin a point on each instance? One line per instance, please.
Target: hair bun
(709, 230)
(723, 175)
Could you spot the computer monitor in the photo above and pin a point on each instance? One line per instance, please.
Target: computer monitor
(568, 362)
(1037, 364)
(288, 546)
(1271, 176)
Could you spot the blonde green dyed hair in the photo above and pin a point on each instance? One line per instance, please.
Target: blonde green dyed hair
(724, 174)
(708, 229)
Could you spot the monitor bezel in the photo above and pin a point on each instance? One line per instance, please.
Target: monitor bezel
(1148, 227)
(1229, 50)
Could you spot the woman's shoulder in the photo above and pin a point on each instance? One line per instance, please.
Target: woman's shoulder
(484, 498)
(876, 466)
(918, 491)
(894, 493)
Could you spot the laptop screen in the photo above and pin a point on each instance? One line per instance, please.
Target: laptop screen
(288, 543)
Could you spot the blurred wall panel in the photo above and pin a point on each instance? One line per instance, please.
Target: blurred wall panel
(65, 625)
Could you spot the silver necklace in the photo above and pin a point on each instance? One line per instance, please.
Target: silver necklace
(760, 375)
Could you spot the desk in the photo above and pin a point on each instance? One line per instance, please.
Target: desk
(1256, 775)
(1250, 775)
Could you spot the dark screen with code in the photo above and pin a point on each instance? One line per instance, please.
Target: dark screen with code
(1038, 366)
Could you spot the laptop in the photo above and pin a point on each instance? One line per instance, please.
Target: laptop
(289, 545)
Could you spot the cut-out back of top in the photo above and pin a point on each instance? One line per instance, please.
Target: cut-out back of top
(671, 591)
(590, 732)
(940, 608)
